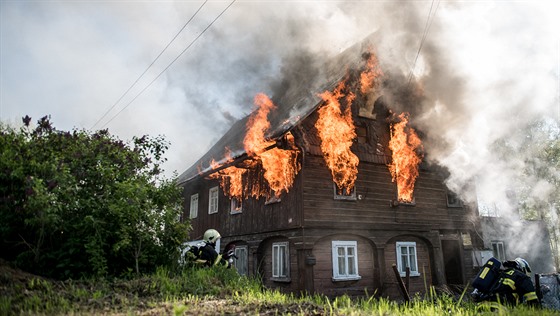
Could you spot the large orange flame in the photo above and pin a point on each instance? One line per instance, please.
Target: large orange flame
(280, 164)
(404, 144)
(369, 78)
(257, 125)
(337, 132)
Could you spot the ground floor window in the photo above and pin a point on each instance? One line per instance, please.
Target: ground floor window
(406, 257)
(241, 262)
(280, 260)
(345, 260)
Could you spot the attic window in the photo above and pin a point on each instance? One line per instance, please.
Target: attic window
(343, 194)
(361, 132)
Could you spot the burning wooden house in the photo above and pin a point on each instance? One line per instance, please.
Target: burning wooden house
(324, 191)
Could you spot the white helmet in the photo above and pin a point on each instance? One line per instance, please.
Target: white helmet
(523, 265)
(211, 235)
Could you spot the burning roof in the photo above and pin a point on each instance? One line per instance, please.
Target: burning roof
(261, 145)
(291, 109)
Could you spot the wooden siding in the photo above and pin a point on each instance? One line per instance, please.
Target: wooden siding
(255, 217)
(323, 269)
(373, 207)
(265, 265)
(424, 267)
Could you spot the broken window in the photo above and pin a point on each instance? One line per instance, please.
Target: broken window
(453, 200)
(362, 134)
(344, 193)
(236, 205)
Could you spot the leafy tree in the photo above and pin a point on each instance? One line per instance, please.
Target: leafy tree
(537, 147)
(79, 203)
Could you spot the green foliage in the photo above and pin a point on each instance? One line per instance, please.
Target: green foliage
(78, 204)
(216, 291)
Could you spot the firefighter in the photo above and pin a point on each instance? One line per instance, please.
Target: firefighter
(207, 253)
(514, 285)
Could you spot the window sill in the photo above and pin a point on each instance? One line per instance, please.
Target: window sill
(350, 278)
(235, 212)
(412, 274)
(281, 280)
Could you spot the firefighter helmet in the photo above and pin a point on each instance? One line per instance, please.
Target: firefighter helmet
(523, 265)
(211, 235)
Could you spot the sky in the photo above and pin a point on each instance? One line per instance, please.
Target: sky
(487, 69)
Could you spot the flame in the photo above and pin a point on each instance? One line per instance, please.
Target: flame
(257, 125)
(336, 130)
(231, 181)
(280, 165)
(404, 168)
(369, 78)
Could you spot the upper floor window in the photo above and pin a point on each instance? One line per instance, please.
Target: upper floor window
(345, 260)
(213, 200)
(453, 200)
(236, 205)
(280, 260)
(241, 262)
(194, 206)
(362, 134)
(344, 193)
(406, 257)
(499, 250)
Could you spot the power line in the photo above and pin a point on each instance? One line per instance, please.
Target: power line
(172, 62)
(429, 21)
(149, 66)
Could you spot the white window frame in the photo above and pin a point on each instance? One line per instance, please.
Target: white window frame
(194, 206)
(408, 245)
(350, 259)
(351, 196)
(496, 244)
(213, 194)
(280, 260)
(241, 263)
(236, 206)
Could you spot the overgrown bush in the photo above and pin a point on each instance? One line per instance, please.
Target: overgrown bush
(82, 204)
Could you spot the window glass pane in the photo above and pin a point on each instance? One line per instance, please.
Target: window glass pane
(351, 265)
(413, 261)
(341, 262)
(404, 250)
(274, 260)
(340, 251)
(350, 251)
(284, 271)
(404, 262)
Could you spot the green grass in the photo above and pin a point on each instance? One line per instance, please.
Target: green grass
(193, 291)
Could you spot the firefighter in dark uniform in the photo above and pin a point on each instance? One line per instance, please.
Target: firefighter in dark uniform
(207, 253)
(515, 285)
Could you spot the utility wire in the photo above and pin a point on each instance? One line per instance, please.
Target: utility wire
(172, 62)
(149, 66)
(429, 21)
